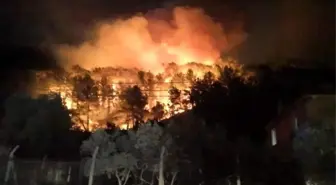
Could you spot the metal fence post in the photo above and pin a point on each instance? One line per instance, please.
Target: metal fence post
(10, 166)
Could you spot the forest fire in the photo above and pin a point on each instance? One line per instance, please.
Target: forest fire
(107, 84)
(161, 52)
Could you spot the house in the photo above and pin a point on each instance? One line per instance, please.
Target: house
(293, 119)
(282, 129)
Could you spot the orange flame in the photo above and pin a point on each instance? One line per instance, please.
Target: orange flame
(149, 43)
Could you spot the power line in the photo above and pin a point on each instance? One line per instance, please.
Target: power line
(152, 83)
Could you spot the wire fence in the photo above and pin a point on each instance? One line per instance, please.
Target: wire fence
(39, 172)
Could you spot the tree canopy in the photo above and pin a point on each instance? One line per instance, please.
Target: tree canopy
(133, 101)
(314, 143)
(129, 154)
(35, 120)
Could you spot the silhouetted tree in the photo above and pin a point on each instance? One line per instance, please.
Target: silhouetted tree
(159, 78)
(35, 121)
(178, 78)
(147, 81)
(158, 111)
(175, 99)
(107, 93)
(237, 103)
(190, 76)
(85, 90)
(133, 101)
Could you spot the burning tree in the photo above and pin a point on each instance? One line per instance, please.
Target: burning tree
(190, 76)
(133, 102)
(145, 46)
(147, 81)
(85, 90)
(106, 92)
(98, 95)
(158, 111)
(175, 99)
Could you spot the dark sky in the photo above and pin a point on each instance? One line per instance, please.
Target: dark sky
(31, 22)
(277, 29)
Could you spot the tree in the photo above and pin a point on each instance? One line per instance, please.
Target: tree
(235, 107)
(178, 78)
(85, 90)
(159, 78)
(153, 143)
(107, 93)
(114, 156)
(175, 100)
(171, 69)
(209, 77)
(133, 101)
(158, 111)
(130, 153)
(314, 143)
(244, 105)
(147, 81)
(142, 77)
(315, 149)
(36, 120)
(190, 76)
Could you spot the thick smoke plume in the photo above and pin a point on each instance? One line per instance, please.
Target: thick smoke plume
(150, 41)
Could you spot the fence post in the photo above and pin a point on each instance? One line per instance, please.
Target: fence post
(10, 166)
(69, 174)
(92, 167)
(41, 173)
(43, 162)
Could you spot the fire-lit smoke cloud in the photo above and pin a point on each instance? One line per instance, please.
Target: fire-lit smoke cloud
(149, 41)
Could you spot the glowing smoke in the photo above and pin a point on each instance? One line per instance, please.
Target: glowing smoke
(150, 41)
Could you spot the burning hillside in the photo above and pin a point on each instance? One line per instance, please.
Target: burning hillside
(93, 96)
(155, 52)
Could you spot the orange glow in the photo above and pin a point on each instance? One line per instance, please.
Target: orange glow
(120, 78)
(122, 47)
(149, 42)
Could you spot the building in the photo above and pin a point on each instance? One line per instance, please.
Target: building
(290, 121)
(282, 129)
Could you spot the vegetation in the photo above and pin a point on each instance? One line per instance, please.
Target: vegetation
(35, 121)
(130, 155)
(85, 90)
(40, 126)
(133, 101)
(315, 143)
(218, 141)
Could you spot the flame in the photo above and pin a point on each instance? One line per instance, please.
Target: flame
(151, 41)
(123, 126)
(122, 47)
(118, 79)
